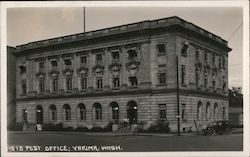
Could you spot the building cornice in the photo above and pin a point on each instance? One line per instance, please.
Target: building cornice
(144, 28)
(122, 93)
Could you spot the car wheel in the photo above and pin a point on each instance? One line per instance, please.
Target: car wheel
(212, 132)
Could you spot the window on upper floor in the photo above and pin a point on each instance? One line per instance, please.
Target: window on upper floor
(41, 65)
(116, 82)
(223, 62)
(132, 54)
(161, 48)
(41, 85)
(214, 84)
(98, 57)
(67, 62)
(84, 83)
(83, 59)
(115, 55)
(206, 57)
(205, 82)
(68, 84)
(24, 86)
(184, 50)
(133, 81)
(220, 65)
(197, 55)
(162, 77)
(22, 69)
(99, 84)
(213, 59)
(55, 85)
(163, 111)
(54, 63)
(183, 74)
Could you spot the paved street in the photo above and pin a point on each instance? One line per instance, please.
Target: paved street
(131, 143)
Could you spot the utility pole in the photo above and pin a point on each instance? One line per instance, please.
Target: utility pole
(178, 97)
(84, 19)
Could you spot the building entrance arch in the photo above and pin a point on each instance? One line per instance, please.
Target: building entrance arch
(132, 112)
(39, 114)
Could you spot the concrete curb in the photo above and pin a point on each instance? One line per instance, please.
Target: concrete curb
(115, 134)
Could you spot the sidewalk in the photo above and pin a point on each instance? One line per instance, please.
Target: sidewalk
(234, 131)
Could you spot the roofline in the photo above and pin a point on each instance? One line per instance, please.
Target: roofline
(146, 24)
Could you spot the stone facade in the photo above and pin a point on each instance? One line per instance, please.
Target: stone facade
(126, 71)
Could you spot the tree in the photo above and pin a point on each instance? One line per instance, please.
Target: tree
(235, 97)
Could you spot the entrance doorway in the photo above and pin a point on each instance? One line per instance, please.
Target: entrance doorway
(39, 114)
(25, 119)
(132, 112)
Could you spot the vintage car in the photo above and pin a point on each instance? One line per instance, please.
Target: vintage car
(217, 127)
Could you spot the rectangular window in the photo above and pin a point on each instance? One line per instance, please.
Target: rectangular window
(220, 62)
(205, 57)
(197, 80)
(41, 65)
(184, 50)
(55, 85)
(183, 73)
(224, 113)
(84, 83)
(83, 59)
(99, 83)
(197, 55)
(24, 87)
(205, 82)
(69, 84)
(133, 81)
(161, 48)
(183, 107)
(214, 84)
(162, 78)
(115, 55)
(223, 62)
(163, 114)
(41, 86)
(116, 82)
(67, 62)
(54, 63)
(213, 59)
(98, 57)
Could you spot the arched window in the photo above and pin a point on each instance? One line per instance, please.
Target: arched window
(208, 111)
(82, 111)
(199, 110)
(67, 112)
(115, 110)
(52, 112)
(215, 111)
(98, 111)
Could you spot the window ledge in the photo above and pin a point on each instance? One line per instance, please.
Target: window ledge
(161, 84)
(133, 87)
(161, 54)
(99, 90)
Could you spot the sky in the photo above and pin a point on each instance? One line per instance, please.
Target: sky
(32, 24)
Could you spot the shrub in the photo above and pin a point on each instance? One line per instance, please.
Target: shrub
(159, 127)
(108, 128)
(15, 127)
(83, 129)
(96, 129)
(53, 127)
